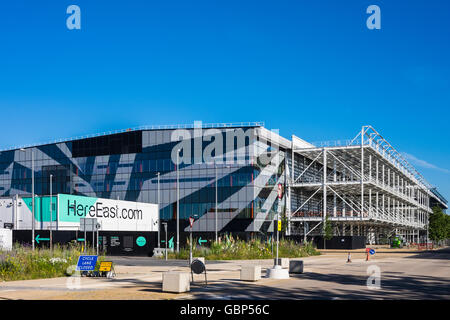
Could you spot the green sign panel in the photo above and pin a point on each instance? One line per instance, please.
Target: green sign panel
(42, 208)
(38, 238)
(72, 208)
(141, 241)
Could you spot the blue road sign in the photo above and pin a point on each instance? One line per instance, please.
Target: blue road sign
(372, 251)
(86, 263)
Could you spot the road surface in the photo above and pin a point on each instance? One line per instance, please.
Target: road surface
(404, 274)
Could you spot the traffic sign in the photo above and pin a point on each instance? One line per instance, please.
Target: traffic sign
(105, 266)
(86, 263)
(171, 243)
(89, 224)
(279, 225)
(141, 241)
(372, 251)
(41, 239)
(191, 221)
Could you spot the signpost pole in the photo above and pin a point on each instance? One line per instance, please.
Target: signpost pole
(32, 192)
(277, 239)
(271, 242)
(97, 241)
(84, 223)
(178, 200)
(51, 215)
(165, 231)
(278, 216)
(215, 213)
(93, 235)
(32, 197)
(159, 224)
(190, 246)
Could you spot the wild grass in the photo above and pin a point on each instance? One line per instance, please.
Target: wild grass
(22, 263)
(236, 249)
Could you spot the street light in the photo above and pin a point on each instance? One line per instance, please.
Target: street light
(32, 195)
(178, 200)
(165, 231)
(159, 215)
(190, 238)
(215, 215)
(51, 214)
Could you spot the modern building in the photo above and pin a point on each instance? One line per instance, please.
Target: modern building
(228, 176)
(366, 188)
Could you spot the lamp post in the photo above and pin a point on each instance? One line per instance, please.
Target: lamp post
(159, 215)
(178, 200)
(51, 214)
(165, 231)
(215, 214)
(190, 244)
(32, 195)
(190, 241)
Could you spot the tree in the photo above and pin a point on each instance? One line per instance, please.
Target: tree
(447, 223)
(439, 225)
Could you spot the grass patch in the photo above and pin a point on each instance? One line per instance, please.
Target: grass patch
(22, 263)
(235, 249)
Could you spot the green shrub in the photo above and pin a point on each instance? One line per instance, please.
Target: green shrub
(235, 249)
(22, 263)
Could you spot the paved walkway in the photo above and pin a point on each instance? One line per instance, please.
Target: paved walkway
(405, 274)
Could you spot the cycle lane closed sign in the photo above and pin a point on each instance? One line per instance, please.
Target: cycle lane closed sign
(86, 263)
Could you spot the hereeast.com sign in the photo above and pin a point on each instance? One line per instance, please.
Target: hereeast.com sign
(112, 215)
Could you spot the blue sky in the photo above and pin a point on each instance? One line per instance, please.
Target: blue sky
(311, 68)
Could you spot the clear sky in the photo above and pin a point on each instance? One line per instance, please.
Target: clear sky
(311, 68)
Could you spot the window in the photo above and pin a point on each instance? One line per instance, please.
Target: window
(120, 143)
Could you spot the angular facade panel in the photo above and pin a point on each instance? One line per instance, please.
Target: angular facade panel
(125, 166)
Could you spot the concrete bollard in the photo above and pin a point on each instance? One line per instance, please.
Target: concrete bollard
(202, 259)
(250, 273)
(283, 262)
(296, 266)
(176, 282)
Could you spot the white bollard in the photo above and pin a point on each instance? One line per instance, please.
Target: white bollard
(202, 259)
(176, 282)
(277, 273)
(283, 262)
(250, 273)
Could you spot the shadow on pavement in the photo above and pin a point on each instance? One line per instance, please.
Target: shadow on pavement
(443, 254)
(353, 287)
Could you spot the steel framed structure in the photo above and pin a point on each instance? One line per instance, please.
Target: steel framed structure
(363, 186)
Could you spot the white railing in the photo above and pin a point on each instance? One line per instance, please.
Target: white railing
(152, 127)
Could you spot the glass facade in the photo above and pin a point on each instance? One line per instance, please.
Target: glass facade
(125, 166)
